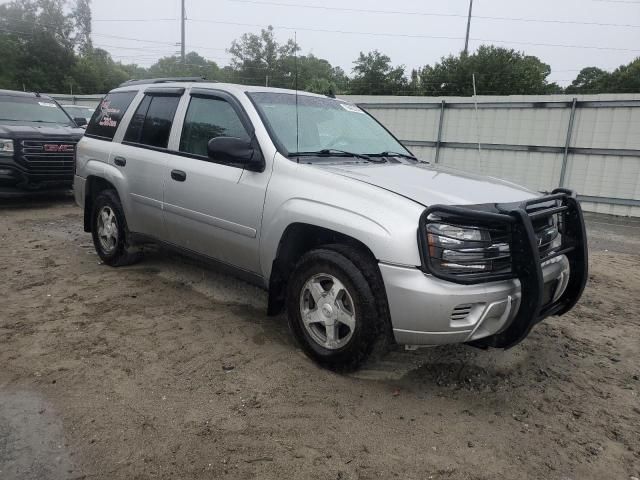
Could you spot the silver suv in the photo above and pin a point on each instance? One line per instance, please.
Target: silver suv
(312, 199)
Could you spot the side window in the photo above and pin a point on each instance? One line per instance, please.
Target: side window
(208, 118)
(151, 124)
(106, 119)
(134, 130)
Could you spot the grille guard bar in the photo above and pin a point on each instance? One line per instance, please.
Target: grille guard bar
(526, 262)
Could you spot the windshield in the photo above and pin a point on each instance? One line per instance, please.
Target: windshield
(324, 124)
(75, 111)
(31, 109)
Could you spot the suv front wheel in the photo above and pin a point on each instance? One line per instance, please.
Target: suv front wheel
(332, 309)
(109, 230)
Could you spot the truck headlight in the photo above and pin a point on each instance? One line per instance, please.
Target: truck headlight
(6, 147)
(549, 238)
(457, 249)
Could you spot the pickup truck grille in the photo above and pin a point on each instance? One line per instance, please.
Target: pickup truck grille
(48, 159)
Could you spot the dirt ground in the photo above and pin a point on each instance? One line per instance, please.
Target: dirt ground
(168, 370)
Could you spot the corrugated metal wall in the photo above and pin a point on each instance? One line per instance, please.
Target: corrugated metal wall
(524, 138)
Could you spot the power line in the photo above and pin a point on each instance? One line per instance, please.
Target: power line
(43, 24)
(118, 37)
(148, 48)
(347, 32)
(445, 15)
(173, 44)
(407, 35)
(141, 20)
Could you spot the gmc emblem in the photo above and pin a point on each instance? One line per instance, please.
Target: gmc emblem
(55, 148)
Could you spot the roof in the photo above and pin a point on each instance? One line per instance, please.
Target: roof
(150, 81)
(228, 87)
(17, 93)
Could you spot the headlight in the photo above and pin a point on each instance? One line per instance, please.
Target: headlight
(6, 147)
(549, 238)
(457, 249)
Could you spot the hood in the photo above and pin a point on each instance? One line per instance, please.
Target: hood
(35, 130)
(430, 185)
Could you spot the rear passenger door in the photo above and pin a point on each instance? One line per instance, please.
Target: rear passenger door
(142, 157)
(208, 207)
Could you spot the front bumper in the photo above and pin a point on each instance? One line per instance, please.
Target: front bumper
(39, 164)
(431, 307)
(15, 175)
(426, 310)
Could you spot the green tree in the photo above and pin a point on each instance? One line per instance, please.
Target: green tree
(258, 59)
(96, 72)
(414, 86)
(133, 71)
(589, 80)
(45, 46)
(374, 75)
(340, 80)
(625, 78)
(261, 60)
(82, 17)
(314, 74)
(193, 66)
(39, 38)
(37, 35)
(498, 71)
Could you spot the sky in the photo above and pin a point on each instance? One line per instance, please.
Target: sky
(419, 33)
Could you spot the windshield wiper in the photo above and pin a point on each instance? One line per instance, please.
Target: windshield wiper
(327, 152)
(393, 154)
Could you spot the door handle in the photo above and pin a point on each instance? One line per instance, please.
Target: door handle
(178, 175)
(120, 161)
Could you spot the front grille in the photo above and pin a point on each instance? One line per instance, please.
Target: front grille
(48, 159)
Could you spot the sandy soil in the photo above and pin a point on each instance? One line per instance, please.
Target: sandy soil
(167, 370)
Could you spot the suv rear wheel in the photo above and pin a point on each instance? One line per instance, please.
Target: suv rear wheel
(331, 306)
(109, 230)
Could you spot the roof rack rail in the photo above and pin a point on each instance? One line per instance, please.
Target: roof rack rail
(147, 81)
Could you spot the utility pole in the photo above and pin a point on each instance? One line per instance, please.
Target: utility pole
(466, 41)
(182, 41)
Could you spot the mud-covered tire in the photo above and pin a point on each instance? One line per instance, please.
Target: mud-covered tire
(359, 275)
(117, 252)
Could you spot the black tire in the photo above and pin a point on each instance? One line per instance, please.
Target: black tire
(360, 276)
(122, 253)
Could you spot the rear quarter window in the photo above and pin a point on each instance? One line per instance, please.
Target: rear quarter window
(106, 119)
(151, 124)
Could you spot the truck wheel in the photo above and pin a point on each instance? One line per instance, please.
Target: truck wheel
(109, 231)
(332, 310)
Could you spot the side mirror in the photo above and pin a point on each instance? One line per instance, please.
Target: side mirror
(236, 151)
(80, 121)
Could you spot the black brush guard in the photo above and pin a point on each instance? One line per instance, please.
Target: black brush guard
(526, 264)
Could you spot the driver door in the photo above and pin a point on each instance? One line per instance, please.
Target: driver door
(211, 207)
